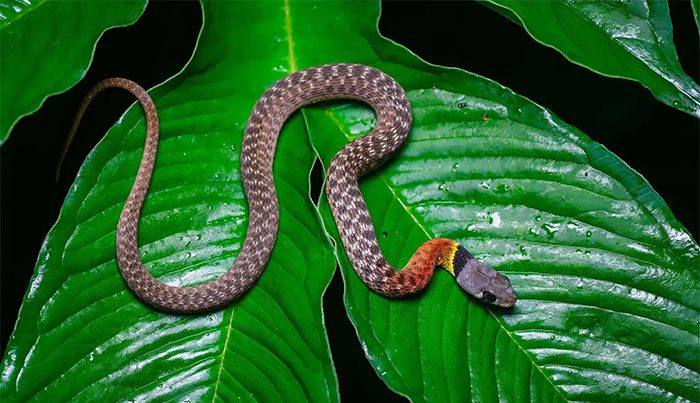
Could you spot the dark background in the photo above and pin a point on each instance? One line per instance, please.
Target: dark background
(658, 141)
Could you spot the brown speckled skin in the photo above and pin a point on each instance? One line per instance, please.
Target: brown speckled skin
(335, 81)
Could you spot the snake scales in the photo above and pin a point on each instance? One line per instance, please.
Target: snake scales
(334, 81)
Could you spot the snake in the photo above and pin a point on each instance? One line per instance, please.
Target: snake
(316, 84)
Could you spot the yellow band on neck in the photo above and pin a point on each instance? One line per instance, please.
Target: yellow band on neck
(447, 260)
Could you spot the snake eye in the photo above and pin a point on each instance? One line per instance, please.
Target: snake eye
(488, 297)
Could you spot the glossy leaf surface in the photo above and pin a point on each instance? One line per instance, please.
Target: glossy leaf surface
(607, 277)
(82, 335)
(47, 46)
(627, 39)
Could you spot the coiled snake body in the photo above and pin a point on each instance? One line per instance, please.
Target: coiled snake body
(334, 81)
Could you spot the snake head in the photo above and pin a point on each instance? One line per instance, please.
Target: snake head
(481, 281)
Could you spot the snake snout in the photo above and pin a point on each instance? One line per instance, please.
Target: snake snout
(481, 281)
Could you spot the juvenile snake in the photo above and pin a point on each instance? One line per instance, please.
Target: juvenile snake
(333, 81)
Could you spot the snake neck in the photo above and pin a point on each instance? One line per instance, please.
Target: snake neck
(419, 269)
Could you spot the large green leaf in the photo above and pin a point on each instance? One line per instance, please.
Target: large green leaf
(46, 47)
(607, 278)
(627, 39)
(82, 335)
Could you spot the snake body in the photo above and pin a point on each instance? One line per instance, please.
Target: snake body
(334, 81)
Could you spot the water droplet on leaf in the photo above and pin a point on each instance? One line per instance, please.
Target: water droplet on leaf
(550, 229)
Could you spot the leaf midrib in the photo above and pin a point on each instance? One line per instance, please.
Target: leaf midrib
(292, 68)
(290, 37)
(223, 356)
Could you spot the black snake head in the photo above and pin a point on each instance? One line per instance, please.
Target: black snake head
(481, 281)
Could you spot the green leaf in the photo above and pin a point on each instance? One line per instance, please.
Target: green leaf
(630, 39)
(695, 4)
(83, 336)
(46, 47)
(607, 278)
(501, 10)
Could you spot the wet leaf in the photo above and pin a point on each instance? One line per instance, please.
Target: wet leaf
(626, 39)
(607, 277)
(82, 335)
